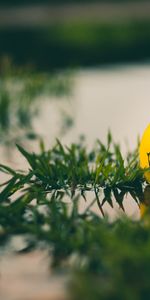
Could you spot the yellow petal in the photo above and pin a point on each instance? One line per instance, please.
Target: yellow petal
(145, 152)
(143, 209)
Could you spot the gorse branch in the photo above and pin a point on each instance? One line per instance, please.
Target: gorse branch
(74, 169)
(43, 206)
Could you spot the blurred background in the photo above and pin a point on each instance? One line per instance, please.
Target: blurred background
(93, 53)
(69, 68)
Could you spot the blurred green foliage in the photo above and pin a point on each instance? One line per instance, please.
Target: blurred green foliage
(77, 44)
(21, 92)
(27, 2)
(115, 262)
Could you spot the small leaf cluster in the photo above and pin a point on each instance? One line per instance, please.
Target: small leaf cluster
(75, 169)
(64, 176)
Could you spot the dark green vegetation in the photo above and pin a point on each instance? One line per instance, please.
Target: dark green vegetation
(71, 171)
(27, 2)
(105, 261)
(67, 172)
(21, 93)
(114, 262)
(73, 45)
(108, 261)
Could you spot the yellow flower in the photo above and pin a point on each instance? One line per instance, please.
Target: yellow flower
(145, 152)
(145, 164)
(143, 209)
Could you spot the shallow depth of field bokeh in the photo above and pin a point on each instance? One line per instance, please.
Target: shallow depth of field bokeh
(74, 76)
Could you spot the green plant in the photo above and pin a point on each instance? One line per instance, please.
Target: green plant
(74, 170)
(115, 263)
(105, 260)
(21, 92)
(78, 44)
(67, 173)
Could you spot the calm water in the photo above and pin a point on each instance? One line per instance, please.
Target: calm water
(113, 98)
